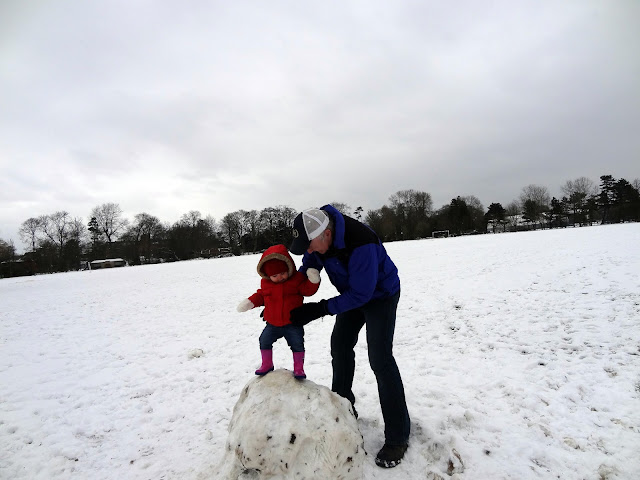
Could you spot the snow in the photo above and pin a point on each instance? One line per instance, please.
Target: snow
(283, 428)
(520, 354)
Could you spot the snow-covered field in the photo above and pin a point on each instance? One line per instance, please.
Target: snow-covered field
(520, 354)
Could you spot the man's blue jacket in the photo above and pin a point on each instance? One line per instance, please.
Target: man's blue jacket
(357, 264)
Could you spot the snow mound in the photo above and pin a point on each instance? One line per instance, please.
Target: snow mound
(286, 428)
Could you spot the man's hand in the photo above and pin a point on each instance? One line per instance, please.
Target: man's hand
(245, 305)
(308, 312)
(313, 275)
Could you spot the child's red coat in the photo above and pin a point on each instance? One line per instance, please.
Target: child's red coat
(280, 298)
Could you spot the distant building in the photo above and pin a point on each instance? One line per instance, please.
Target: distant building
(17, 268)
(109, 263)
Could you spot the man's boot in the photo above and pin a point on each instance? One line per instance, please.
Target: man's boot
(390, 455)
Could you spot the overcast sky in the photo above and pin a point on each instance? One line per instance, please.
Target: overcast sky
(165, 107)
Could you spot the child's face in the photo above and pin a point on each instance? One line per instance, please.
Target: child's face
(279, 277)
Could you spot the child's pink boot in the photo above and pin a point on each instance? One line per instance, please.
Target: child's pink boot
(267, 362)
(298, 365)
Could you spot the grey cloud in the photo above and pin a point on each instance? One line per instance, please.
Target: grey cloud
(224, 105)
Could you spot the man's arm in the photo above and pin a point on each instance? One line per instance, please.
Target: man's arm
(309, 260)
(363, 277)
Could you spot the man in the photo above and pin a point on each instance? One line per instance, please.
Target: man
(358, 266)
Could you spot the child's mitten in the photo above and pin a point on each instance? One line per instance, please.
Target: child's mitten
(245, 305)
(313, 275)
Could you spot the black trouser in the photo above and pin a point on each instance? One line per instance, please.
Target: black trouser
(380, 318)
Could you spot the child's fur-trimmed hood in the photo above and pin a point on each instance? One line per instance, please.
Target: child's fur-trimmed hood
(276, 252)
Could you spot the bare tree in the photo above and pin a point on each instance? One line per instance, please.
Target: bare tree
(252, 222)
(412, 200)
(194, 235)
(269, 222)
(577, 192)
(513, 212)
(382, 221)
(212, 224)
(143, 232)
(212, 229)
(535, 201)
(145, 225)
(109, 219)
(57, 227)
(191, 219)
(7, 250)
(231, 229)
(29, 232)
(579, 185)
(342, 208)
(473, 202)
(64, 234)
(77, 230)
(411, 209)
(536, 193)
(286, 216)
(276, 223)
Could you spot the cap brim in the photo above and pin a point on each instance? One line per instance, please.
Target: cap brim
(299, 246)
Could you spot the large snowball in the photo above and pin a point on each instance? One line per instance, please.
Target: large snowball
(286, 428)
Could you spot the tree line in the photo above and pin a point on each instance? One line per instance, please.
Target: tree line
(409, 214)
(59, 242)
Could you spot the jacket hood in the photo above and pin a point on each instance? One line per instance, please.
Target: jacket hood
(276, 252)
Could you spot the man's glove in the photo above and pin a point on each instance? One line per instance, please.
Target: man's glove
(313, 275)
(308, 312)
(245, 305)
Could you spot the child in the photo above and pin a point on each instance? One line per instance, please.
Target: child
(281, 290)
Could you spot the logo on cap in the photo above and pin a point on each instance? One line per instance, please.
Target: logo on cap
(295, 233)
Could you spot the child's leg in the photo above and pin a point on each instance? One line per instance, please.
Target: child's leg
(267, 362)
(294, 334)
(298, 365)
(267, 338)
